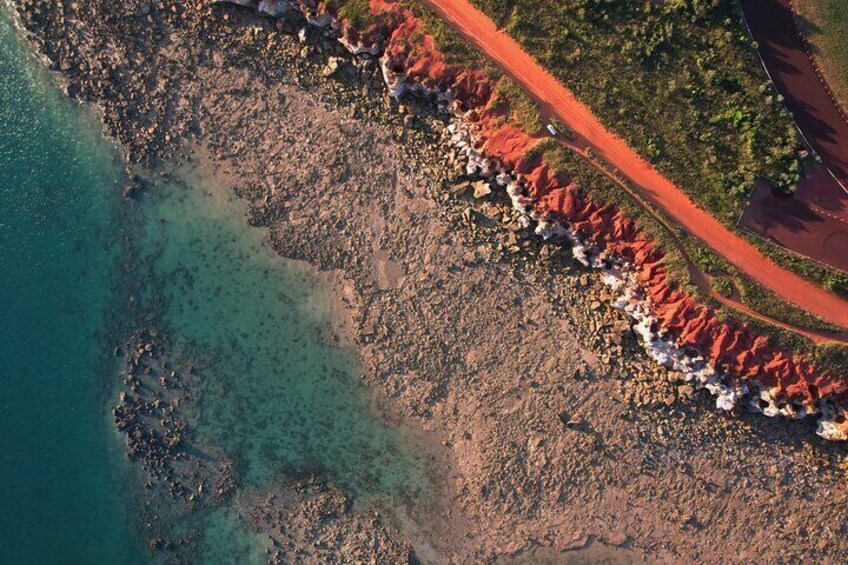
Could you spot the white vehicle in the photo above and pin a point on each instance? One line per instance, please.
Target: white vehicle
(552, 129)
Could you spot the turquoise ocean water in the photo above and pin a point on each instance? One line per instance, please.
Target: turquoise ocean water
(277, 398)
(60, 470)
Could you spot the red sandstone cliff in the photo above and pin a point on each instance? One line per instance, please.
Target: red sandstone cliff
(732, 349)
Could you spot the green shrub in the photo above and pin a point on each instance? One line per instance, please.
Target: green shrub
(722, 286)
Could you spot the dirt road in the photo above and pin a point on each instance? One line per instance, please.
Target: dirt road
(556, 100)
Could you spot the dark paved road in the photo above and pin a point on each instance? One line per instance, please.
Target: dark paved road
(815, 222)
(783, 51)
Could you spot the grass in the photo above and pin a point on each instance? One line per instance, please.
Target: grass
(681, 83)
(521, 109)
(752, 294)
(357, 13)
(722, 286)
(454, 48)
(767, 303)
(826, 277)
(679, 80)
(825, 25)
(828, 357)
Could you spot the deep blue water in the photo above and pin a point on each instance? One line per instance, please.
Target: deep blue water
(61, 472)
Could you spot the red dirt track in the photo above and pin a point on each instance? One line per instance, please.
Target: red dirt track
(556, 100)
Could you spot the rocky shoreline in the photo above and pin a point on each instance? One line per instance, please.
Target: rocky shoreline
(729, 360)
(155, 428)
(470, 328)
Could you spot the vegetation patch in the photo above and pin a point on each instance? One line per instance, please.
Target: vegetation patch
(451, 44)
(767, 303)
(827, 277)
(831, 357)
(521, 109)
(679, 80)
(722, 286)
(825, 25)
(358, 14)
(755, 115)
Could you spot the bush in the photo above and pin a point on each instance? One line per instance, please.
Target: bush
(722, 286)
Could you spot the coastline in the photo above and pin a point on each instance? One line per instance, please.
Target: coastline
(432, 401)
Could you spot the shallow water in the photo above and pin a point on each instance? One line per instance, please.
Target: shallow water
(278, 397)
(61, 471)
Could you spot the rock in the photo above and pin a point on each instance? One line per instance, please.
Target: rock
(332, 67)
(131, 190)
(460, 187)
(686, 391)
(481, 189)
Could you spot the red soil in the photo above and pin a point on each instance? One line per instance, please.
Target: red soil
(555, 99)
(729, 347)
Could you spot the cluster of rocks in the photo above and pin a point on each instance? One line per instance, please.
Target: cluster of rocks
(151, 414)
(463, 154)
(730, 361)
(108, 67)
(489, 215)
(489, 211)
(158, 400)
(481, 345)
(311, 521)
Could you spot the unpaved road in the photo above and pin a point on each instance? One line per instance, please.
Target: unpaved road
(556, 100)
